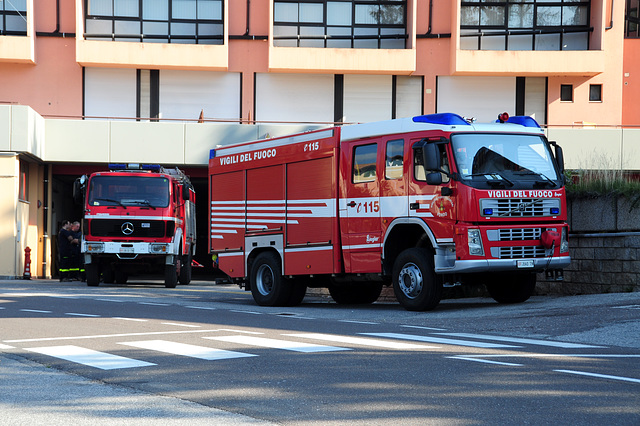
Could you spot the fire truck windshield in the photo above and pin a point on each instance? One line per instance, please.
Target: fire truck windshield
(504, 159)
(143, 191)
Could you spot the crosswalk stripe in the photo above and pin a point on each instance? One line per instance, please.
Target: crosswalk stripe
(277, 344)
(521, 340)
(361, 341)
(430, 339)
(91, 358)
(193, 351)
(2, 346)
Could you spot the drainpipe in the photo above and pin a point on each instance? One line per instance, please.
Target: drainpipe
(45, 220)
(428, 33)
(610, 23)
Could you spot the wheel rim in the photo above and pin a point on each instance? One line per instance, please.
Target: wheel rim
(264, 280)
(410, 280)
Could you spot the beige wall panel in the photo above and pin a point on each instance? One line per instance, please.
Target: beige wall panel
(201, 138)
(631, 149)
(161, 143)
(27, 130)
(9, 189)
(5, 128)
(589, 148)
(77, 141)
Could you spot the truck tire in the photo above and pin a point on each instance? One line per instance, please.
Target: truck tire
(298, 291)
(120, 277)
(511, 288)
(185, 270)
(170, 276)
(93, 276)
(356, 293)
(415, 283)
(108, 276)
(268, 286)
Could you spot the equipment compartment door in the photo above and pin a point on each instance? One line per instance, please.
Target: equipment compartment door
(360, 207)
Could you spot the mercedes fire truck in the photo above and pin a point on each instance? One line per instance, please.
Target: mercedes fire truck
(137, 219)
(418, 203)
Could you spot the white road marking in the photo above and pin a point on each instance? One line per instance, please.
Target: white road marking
(600, 376)
(101, 336)
(192, 351)
(75, 314)
(486, 361)
(206, 308)
(35, 310)
(109, 300)
(91, 358)
(181, 325)
(245, 312)
(424, 328)
(521, 340)
(441, 340)
(359, 322)
(154, 304)
(5, 346)
(362, 341)
(240, 331)
(130, 319)
(277, 344)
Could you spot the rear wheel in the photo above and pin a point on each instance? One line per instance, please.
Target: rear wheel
(268, 286)
(185, 270)
(356, 293)
(93, 276)
(415, 283)
(511, 288)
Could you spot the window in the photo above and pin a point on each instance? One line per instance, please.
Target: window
(394, 159)
(364, 163)
(155, 21)
(566, 92)
(13, 17)
(631, 20)
(595, 93)
(525, 25)
(363, 24)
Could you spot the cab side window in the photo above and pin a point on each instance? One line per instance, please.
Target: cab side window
(394, 159)
(418, 168)
(364, 163)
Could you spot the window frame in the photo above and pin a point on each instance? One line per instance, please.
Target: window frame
(569, 87)
(171, 25)
(383, 31)
(597, 98)
(7, 9)
(358, 177)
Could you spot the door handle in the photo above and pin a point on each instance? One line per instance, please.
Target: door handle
(351, 204)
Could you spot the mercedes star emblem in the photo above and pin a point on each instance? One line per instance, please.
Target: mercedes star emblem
(127, 228)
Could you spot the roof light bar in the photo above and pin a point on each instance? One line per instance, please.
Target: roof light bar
(445, 118)
(522, 120)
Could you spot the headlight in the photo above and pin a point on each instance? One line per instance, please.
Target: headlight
(475, 242)
(94, 247)
(158, 248)
(564, 242)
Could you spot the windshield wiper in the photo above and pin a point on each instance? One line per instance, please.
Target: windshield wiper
(111, 200)
(496, 178)
(143, 202)
(546, 180)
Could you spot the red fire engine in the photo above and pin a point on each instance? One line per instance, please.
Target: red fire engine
(420, 203)
(137, 218)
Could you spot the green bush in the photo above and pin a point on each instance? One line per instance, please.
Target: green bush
(599, 183)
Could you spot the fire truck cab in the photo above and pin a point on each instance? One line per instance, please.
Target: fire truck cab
(137, 219)
(418, 203)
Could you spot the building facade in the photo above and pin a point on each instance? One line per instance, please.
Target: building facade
(85, 82)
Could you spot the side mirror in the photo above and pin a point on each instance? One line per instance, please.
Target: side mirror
(185, 191)
(78, 189)
(434, 178)
(431, 157)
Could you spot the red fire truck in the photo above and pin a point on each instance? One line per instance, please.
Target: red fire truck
(137, 219)
(418, 203)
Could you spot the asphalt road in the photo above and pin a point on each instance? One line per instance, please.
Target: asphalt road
(143, 354)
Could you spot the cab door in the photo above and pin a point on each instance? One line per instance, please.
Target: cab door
(360, 206)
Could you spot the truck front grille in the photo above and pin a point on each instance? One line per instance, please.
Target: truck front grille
(519, 207)
(118, 228)
(514, 234)
(517, 252)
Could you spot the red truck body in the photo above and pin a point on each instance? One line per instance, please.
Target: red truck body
(419, 203)
(138, 219)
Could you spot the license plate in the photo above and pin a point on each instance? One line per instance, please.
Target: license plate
(525, 263)
(126, 249)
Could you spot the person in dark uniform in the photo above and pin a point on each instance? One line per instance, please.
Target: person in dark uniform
(65, 238)
(77, 264)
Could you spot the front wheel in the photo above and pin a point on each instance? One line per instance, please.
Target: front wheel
(511, 288)
(170, 275)
(415, 283)
(185, 270)
(268, 286)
